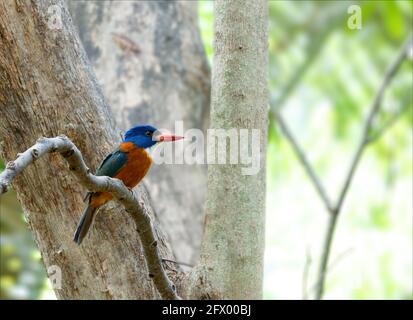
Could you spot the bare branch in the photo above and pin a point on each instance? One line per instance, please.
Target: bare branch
(387, 125)
(374, 109)
(303, 159)
(364, 140)
(335, 262)
(137, 211)
(306, 272)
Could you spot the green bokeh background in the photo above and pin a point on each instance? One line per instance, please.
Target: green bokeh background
(322, 77)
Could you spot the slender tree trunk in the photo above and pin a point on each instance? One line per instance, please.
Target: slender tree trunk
(47, 88)
(231, 263)
(149, 59)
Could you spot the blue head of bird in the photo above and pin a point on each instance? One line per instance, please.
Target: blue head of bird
(145, 136)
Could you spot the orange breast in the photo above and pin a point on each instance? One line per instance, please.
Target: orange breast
(131, 174)
(136, 167)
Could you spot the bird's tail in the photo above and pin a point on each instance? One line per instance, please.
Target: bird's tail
(84, 223)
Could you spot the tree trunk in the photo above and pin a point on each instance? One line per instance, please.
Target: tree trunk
(231, 262)
(47, 88)
(149, 59)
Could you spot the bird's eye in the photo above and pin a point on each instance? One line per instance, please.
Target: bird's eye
(148, 133)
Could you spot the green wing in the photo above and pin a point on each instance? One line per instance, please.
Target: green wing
(112, 164)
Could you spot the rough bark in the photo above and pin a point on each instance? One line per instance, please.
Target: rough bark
(231, 262)
(46, 89)
(137, 211)
(150, 61)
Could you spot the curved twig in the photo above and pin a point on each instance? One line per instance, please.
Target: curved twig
(136, 210)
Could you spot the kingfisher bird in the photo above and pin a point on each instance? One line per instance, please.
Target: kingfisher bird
(129, 162)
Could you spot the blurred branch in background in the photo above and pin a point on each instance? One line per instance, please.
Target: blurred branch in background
(364, 141)
(319, 34)
(366, 138)
(306, 272)
(373, 137)
(334, 263)
(303, 158)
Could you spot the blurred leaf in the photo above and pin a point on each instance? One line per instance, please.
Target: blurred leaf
(393, 19)
(22, 274)
(379, 216)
